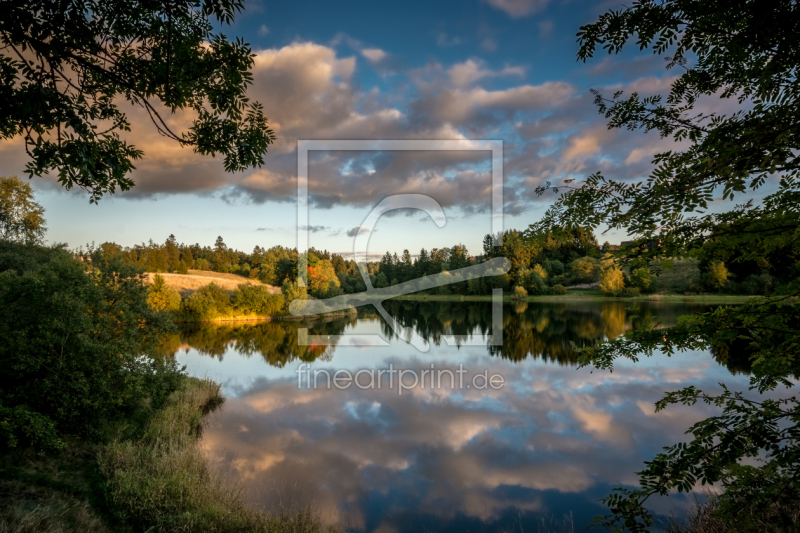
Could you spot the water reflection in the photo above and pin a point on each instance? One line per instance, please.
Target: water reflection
(550, 443)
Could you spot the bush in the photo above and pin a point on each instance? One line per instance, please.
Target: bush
(161, 297)
(208, 302)
(79, 349)
(256, 299)
(183, 268)
(534, 284)
(629, 292)
(519, 293)
(559, 290)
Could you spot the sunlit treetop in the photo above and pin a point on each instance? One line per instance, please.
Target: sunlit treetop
(67, 69)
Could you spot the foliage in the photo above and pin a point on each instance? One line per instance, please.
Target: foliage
(640, 278)
(559, 290)
(534, 283)
(66, 67)
(718, 275)
(21, 218)
(322, 280)
(758, 284)
(78, 350)
(291, 292)
(746, 53)
(553, 267)
(256, 299)
(585, 270)
(520, 293)
(208, 302)
(161, 297)
(612, 280)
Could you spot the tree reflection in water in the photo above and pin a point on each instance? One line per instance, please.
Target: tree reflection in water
(540, 331)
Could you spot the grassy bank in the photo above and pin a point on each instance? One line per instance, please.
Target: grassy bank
(283, 316)
(152, 477)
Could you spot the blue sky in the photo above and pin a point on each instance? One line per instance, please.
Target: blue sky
(485, 69)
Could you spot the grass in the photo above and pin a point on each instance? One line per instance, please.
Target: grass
(188, 283)
(162, 481)
(153, 477)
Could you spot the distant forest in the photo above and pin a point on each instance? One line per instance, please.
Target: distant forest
(544, 263)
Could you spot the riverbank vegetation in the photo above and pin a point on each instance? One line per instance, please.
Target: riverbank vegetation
(98, 425)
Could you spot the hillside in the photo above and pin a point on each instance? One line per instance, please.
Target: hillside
(195, 279)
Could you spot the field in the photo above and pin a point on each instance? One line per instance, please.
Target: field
(188, 283)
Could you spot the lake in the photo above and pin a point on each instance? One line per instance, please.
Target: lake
(510, 437)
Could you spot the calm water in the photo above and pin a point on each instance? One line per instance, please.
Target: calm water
(535, 454)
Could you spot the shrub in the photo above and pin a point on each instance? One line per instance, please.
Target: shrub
(519, 293)
(208, 302)
(256, 299)
(534, 284)
(629, 292)
(161, 297)
(612, 280)
(183, 268)
(558, 290)
(79, 349)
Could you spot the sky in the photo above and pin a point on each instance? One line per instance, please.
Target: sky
(484, 69)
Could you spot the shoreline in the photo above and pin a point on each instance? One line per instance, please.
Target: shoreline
(588, 296)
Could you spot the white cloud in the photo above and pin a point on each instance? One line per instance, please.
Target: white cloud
(375, 55)
(519, 8)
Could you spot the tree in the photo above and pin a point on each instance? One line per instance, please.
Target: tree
(68, 66)
(322, 279)
(641, 278)
(611, 280)
(79, 350)
(161, 297)
(741, 51)
(21, 218)
(585, 270)
(718, 275)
